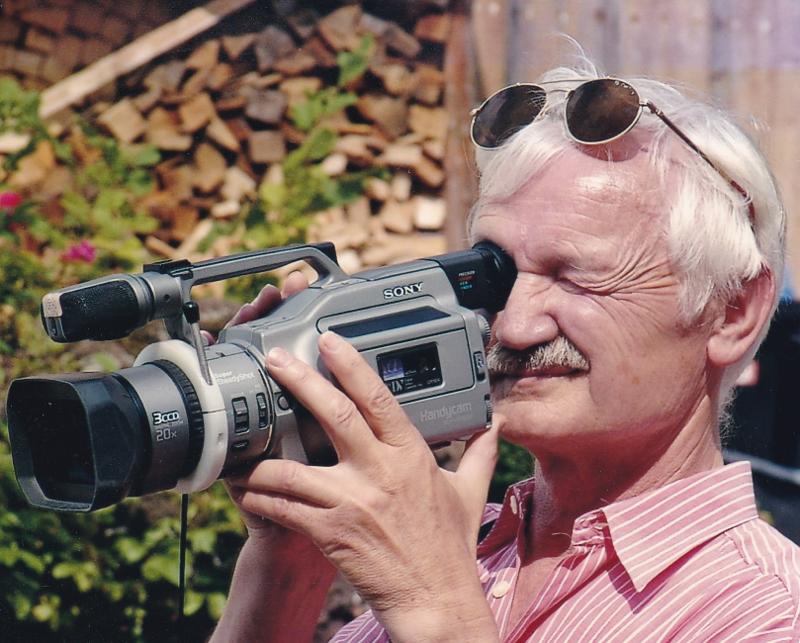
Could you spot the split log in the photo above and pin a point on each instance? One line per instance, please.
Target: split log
(221, 134)
(429, 213)
(430, 122)
(196, 113)
(271, 45)
(162, 131)
(210, 168)
(389, 114)
(124, 121)
(267, 146)
(205, 56)
(340, 28)
(434, 27)
(237, 185)
(266, 106)
(235, 46)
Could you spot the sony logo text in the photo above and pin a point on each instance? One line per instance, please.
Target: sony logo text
(400, 291)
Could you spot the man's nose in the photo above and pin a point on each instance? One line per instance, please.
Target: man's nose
(526, 320)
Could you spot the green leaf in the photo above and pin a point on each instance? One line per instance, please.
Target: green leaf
(132, 550)
(194, 601)
(164, 567)
(352, 64)
(20, 603)
(216, 604)
(146, 156)
(43, 612)
(203, 540)
(325, 102)
(32, 562)
(106, 361)
(317, 146)
(77, 209)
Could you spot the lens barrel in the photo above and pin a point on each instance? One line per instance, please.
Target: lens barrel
(83, 441)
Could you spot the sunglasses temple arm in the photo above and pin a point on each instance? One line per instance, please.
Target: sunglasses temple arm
(689, 142)
(685, 138)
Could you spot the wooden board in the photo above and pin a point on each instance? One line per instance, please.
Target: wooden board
(139, 52)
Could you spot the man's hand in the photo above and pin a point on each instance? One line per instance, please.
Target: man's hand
(281, 578)
(401, 529)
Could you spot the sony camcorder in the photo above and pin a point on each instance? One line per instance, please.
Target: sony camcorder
(186, 414)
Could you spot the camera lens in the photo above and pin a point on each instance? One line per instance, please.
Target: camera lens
(84, 441)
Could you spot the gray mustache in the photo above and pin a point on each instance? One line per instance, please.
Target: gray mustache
(559, 352)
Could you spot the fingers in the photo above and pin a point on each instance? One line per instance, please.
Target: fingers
(291, 479)
(364, 386)
(289, 512)
(268, 298)
(336, 413)
(477, 466)
(295, 282)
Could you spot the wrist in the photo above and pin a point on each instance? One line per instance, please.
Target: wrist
(460, 620)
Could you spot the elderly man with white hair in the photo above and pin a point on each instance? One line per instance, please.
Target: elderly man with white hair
(648, 236)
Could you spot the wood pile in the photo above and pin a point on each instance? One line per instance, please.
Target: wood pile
(43, 41)
(219, 114)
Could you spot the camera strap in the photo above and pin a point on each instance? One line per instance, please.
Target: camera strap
(182, 557)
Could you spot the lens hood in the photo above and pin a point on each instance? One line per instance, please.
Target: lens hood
(76, 439)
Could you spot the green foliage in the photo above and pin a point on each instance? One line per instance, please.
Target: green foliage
(19, 109)
(112, 574)
(282, 212)
(513, 464)
(353, 64)
(318, 105)
(19, 113)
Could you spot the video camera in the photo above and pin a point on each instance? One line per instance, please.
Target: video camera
(186, 414)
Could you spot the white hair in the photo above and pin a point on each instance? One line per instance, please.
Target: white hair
(714, 246)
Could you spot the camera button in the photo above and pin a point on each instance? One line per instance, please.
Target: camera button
(261, 403)
(480, 365)
(283, 402)
(241, 416)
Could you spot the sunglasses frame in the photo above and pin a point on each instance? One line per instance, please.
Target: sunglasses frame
(642, 104)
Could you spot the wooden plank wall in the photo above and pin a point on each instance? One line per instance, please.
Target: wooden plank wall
(741, 54)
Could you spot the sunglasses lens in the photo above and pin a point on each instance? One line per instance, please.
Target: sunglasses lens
(505, 113)
(601, 110)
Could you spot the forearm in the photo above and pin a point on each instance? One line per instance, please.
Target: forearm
(276, 595)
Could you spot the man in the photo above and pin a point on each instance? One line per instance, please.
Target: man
(648, 237)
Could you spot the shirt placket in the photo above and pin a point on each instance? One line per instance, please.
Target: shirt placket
(585, 556)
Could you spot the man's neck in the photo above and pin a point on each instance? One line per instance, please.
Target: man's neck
(567, 486)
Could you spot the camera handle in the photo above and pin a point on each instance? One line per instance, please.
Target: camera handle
(185, 324)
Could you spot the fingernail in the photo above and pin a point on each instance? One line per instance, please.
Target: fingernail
(278, 357)
(330, 341)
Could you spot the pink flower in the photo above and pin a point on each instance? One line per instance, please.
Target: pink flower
(83, 251)
(9, 201)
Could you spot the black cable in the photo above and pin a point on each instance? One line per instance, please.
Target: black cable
(182, 556)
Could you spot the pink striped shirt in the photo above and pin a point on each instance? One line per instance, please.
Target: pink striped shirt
(691, 561)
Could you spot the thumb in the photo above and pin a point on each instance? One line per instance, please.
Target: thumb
(477, 465)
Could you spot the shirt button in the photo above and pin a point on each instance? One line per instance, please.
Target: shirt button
(501, 589)
(514, 505)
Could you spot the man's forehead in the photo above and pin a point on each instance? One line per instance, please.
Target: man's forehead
(577, 178)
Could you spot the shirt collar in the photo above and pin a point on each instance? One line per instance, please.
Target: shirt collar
(653, 530)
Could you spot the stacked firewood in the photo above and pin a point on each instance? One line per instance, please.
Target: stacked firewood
(219, 113)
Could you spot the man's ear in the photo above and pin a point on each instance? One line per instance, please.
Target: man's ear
(743, 319)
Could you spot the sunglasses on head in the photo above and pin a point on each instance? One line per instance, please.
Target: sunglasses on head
(596, 112)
